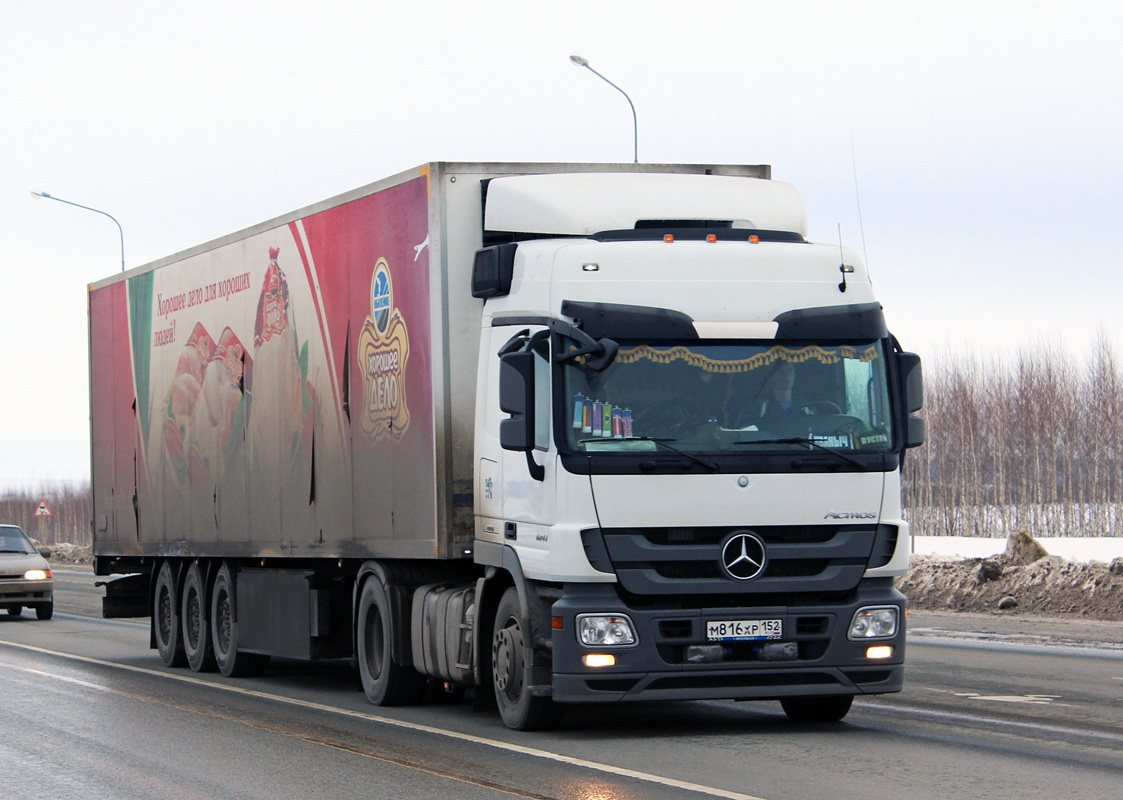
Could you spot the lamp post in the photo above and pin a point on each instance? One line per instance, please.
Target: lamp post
(578, 61)
(96, 211)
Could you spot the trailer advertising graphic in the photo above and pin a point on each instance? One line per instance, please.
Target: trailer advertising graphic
(383, 353)
(239, 365)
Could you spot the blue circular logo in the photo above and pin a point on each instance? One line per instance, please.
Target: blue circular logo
(381, 299)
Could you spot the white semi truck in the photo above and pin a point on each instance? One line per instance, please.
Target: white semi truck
(564, 433)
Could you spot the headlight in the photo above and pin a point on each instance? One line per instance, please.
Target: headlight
(878, 622)
(37, 575)
(605, 630)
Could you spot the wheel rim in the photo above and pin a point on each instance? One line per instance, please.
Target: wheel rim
(194, 621)
(225, 625)
(507, 660)
(165, 607)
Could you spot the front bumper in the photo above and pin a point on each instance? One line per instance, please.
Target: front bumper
(22, 592)
(656, 667)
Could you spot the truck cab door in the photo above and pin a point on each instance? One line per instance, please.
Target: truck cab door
(521, 470)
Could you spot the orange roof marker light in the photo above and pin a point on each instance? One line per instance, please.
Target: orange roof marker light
(668, 237)
(711, 237)
(754, 239)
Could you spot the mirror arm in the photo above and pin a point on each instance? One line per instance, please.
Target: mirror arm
(537, 471)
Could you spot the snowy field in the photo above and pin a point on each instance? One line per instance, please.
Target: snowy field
(1073, 548)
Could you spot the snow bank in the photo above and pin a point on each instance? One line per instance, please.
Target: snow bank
(1072, 548)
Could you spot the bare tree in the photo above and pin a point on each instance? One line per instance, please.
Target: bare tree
(70, 507)
(1030, 444)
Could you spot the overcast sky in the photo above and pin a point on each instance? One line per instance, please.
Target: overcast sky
(986, 138)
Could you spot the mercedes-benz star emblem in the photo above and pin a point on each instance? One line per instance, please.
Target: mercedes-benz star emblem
(742, 556)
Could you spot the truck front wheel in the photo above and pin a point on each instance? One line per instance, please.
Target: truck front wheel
(165, 618)
(817, 709)
(510, 671)
(385, 682)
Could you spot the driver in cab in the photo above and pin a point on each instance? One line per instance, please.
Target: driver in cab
(776, 405)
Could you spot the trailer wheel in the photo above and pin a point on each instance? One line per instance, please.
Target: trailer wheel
(385, 682)
(45, 610)
(196, 634)
(817, 709)
(510, 671)
(165, 619)
(231, 662)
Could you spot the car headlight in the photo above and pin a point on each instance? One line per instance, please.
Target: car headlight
(37, 575)
(874, 622)
(605, 630)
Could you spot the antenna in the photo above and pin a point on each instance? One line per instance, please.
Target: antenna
(843, 267)
(858, 200)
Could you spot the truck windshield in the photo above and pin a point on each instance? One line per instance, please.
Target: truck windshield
(732, 397)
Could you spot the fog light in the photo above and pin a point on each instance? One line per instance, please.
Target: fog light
(881, 651)
(599, 660)
(874, 622)
(605, 630)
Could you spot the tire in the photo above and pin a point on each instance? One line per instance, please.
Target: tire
(231, 662)
(15, 611)
(817, 709)
(193, 615)
(510, 671)
(165, 618)
(45, 610)
(385, 682)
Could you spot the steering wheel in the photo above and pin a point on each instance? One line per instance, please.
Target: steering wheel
(822, 407)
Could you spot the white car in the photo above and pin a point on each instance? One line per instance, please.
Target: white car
(25, 576)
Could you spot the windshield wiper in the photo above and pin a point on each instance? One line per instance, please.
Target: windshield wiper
(810, 444)
(712, 467)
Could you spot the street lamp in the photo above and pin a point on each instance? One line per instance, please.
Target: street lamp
(37, 195)
(578, 61)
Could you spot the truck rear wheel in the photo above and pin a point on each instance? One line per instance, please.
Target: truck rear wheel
(196, 634)
(231, 662)
(817, 709)
(165, 618)
(385, 682)
(510, 671)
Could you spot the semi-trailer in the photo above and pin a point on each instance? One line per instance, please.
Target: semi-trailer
(561, 433)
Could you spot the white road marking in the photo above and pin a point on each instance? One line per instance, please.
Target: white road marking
(1032, 699)
(951, 716)
(466, 737)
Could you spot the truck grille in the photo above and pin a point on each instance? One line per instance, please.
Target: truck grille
(800, 558)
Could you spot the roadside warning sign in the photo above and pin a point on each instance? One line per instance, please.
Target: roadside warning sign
(43, 511)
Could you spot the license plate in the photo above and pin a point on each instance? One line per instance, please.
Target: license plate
(744, 630)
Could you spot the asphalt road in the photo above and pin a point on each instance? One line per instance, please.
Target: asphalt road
(91, 712)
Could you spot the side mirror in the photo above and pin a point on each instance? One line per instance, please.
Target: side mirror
(516, 397)
(908, 364)
(915, 432)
